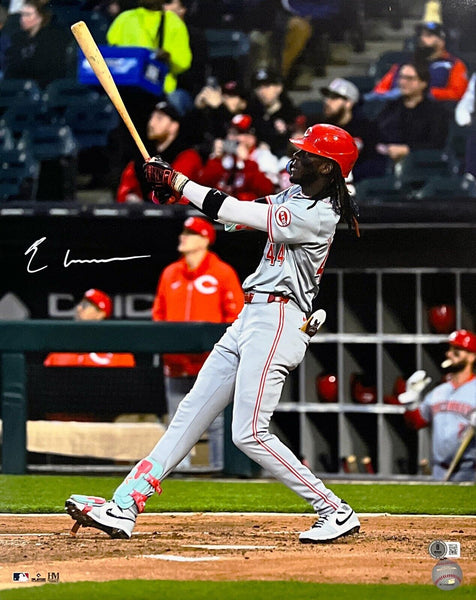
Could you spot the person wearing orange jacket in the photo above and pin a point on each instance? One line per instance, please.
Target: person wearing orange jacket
(95, 305)
(448, 74)
(197, 287)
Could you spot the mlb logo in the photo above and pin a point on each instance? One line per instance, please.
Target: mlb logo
(21, 577)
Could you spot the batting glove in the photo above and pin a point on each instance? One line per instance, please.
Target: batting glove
(160, 174)
(414, 387)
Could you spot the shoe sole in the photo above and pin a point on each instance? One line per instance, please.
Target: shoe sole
(85, 521)
(352, 531)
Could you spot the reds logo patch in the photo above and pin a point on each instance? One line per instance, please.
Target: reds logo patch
(282, 216)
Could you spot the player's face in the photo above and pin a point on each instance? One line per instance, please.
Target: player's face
(189, 241)
(87, 311)
(460, 359)
(305, 168)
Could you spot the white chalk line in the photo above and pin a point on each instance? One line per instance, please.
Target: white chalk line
(227, 547)
(178, 558)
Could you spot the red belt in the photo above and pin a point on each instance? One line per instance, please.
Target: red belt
(270, 298)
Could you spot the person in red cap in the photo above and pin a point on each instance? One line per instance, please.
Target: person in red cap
(95, 305)
(197, 287)
(238, 165)
(450, 408)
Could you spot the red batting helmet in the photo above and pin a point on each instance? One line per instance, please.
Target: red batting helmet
(326, 387)
(362, 391)
(463, 339)
(442, 318)
(99, 299)
(331, 142)
(202, 227)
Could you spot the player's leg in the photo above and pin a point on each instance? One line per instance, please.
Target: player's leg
(176, 388)
(211, 393)
(271, 346)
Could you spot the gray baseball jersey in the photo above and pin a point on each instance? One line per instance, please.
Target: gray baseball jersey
(448, 409)
(249, 364)
(300, 234)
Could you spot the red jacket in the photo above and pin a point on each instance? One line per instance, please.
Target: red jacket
(187, 162)
(211, 292)
(448, 78)
(89, 359)
(247, 183)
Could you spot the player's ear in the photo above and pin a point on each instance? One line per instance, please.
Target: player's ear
(325, 168)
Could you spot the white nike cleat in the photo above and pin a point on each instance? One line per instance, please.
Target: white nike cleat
(329, 527)
(91, 511)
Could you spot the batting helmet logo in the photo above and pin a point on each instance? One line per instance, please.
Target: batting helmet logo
(283, 216)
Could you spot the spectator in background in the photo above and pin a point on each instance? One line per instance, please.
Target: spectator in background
(273, 112)
(4, 38)
(39, 50)
(193, 79)
(95, 305)
(340, 99)
(465, 117)
(165, 137)
(448, 74)
(413, 121)
(238, 165)
(216, 105)
(197, 287)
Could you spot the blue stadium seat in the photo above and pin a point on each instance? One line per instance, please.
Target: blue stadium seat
(227, 43)
(59, 94)
(456, 186)
(364, 83)
(12, 90)
(20, 169)
(98, 25)
(311, 108)
(388, 58)
(52, 141)
(91, 123)
(381, 189)
(25, 114)
(7, 141)
(419, 166)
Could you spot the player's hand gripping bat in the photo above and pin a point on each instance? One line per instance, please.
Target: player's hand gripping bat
(101, 70)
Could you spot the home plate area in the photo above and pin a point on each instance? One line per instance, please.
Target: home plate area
(218, 547)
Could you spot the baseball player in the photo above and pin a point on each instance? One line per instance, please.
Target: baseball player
(450, 407)
(249, 364)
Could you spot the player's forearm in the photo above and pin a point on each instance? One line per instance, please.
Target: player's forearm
(227, 209)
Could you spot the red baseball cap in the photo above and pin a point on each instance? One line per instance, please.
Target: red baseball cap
(463, 339)
(202, 227)
(99, 299)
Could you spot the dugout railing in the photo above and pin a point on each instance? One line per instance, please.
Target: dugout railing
(18, 338)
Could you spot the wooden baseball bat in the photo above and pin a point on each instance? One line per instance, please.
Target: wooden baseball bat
(101, 70)
(468, 436)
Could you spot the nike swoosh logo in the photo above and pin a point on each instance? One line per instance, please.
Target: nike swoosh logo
(109, 513)
(345, 520)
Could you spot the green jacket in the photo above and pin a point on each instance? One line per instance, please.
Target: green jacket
(138, 27)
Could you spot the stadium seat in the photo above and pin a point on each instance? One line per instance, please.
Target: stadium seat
(383, 63)
(419, 166)
(91, 123)
(52, 141)
(311, 108)
(12, 90)
(7, 141)
(364, 83)
(457, 138)
(59, 94)
(228, 51)
(25, 114)
(18, 170)
(456, 186)
(380, 189)
(98, 25)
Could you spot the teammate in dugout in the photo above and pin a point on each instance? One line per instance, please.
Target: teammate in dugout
(450, 407)
(249, 364)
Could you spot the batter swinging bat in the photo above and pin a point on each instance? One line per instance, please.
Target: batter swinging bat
(101, 70)
(468, 436)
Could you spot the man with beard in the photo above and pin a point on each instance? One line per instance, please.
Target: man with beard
(164, 136)
(450, 407)
(448, 74)
(340, 99)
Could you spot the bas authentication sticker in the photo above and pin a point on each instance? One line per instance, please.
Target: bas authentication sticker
(283, 216)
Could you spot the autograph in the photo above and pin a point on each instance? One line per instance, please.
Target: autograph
(71, 261)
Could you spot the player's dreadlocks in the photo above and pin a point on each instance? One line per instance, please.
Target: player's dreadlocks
(342, 201)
